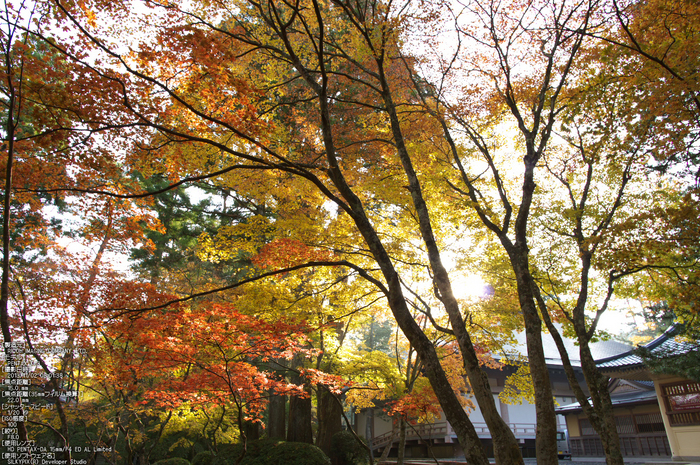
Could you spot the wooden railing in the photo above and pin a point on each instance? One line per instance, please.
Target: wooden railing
(684, 418)
(424, 430)
(631, 446)
(443, 429)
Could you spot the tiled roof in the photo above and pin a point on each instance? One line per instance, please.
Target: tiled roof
(633, 398)
(664, 345)
(600, 349)
(629, 365)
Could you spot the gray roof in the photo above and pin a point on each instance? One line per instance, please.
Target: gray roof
(629, 365)
(664, 345)
(632, 398)
(599, 350)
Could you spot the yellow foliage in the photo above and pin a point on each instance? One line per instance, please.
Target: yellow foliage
(231, 240)
(518, 387)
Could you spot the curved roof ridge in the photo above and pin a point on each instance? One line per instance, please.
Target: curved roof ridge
(670, 332)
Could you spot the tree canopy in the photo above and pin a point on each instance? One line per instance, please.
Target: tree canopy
(300, 187)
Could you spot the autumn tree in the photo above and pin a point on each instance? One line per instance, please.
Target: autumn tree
(50, 288)
(322, 112)
(501, 40)
(12, 86)
(333, 91)
(210, 355)
(36, 128)
(656, 44)
(583, 177)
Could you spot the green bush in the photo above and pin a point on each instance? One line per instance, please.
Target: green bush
(203, 458)
(227, 454)
(185, 435)
(346, 449)
(173, 461)
(271, 452)
(291, 453)
(172, 445)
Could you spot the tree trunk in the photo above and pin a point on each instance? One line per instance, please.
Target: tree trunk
(600, 413)
(369, 429)
(604, 419)
(402, 442)
(299, 429)
(546, 433)
(252, 430)
(329, 413)
(506, 448)
(454, 412)
(277, 417)
(352, 205)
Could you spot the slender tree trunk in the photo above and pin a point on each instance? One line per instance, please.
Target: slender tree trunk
(600, 413)
(507, 450)
(402, 442)
(518, 255)
(546, 434)
(604, 419)
(369, 429)
(352, 204)
(458, 418)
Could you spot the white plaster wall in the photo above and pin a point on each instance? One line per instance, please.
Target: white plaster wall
(523, 413)
(475, 415)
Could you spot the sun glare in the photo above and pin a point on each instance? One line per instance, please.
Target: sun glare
(469, 286)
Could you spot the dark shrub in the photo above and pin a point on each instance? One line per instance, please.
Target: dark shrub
(174, 445)
(347, 451)
(227, 454)
(203, 458)
(271, 452)
(173, 461)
